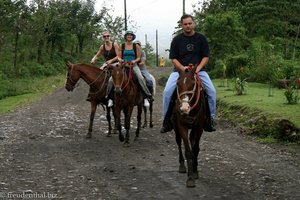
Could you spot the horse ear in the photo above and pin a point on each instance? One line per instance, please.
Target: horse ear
(69, 64)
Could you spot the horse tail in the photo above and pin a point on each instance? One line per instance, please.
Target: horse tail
(154, 84)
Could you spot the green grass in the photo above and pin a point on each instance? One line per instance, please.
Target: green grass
(257, 98)
(33, 90)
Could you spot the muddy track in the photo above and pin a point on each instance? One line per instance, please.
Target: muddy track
(44, 154)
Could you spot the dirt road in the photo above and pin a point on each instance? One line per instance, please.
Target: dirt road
(44, 155)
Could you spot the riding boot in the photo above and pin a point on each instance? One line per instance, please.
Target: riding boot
(209, 121)
(167, 122)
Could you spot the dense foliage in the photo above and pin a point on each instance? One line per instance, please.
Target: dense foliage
(255, 39)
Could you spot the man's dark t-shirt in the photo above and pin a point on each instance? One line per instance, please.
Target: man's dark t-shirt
(189, 49)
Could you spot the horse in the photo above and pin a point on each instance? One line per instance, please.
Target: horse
(189, 114)
(153, 92)
(126, 95)
(97, 80)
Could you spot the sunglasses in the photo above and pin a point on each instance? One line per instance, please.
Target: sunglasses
(105, 36)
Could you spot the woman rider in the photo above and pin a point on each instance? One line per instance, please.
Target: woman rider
(130, 52)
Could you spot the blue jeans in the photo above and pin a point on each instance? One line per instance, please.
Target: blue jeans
(147, 76)
(171, 86)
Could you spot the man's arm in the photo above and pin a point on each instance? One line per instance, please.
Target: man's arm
(203, 62)
(178, 65)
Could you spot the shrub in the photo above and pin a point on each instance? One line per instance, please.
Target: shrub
(240, 86)
(291, 93)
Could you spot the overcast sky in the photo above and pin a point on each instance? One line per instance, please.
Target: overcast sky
(152, 15)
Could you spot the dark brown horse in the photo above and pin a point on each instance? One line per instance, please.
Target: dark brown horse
(189, 114)
(126, 95)
(97, 80)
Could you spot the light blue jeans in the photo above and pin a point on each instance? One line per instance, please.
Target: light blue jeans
(171, 86)
(147, 76)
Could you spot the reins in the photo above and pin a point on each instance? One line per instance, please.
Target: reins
(129, 75)
(197, 85)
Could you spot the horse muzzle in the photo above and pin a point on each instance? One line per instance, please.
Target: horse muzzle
(118, 90)
(185, 108)
(69, 88)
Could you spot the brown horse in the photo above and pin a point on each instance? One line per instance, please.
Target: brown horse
(126, 95)
(97, 80)
(189, 114)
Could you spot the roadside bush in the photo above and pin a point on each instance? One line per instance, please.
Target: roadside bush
(240, 86)
(291, 93)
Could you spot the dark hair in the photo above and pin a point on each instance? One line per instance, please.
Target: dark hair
(186, 16)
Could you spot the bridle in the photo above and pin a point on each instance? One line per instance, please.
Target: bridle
(123, 77)
(197, 84)
(69, 75)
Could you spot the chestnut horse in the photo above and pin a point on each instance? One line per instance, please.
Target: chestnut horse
(97, 80)
(189, 114)
(127, 94)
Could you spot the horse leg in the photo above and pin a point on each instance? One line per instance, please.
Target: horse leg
(127, 115)
(139, 119)
(195, 136)
(117, 116)
(151, 111)
(92, 116)
(182, 168)
(189, 157)
(145, 117)
(108, 118)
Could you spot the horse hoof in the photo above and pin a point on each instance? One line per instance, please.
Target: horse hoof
(88, 136)
(121, 137)
(115, 131)
(182, 169)
(195, 175)
(108, 135)
(190, 183)
(126, 144)
(151, 125)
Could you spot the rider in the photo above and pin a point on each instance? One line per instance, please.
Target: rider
(130, 52)
(109, 51)
(143, 68)
(187, 48)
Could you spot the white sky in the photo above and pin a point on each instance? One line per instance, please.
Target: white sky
(152, 15)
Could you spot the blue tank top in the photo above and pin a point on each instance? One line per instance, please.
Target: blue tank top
(128, 55)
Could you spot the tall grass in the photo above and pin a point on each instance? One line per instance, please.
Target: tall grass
(18, 92)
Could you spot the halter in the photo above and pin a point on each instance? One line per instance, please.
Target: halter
(196, 85)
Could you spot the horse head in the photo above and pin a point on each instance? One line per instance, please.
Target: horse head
(73, 76)
(187, 90)
(119, 76)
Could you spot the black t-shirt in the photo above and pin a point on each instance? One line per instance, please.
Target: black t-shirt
(189, 49)
(109, 54)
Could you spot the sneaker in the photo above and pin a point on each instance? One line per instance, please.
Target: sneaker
(146, 103)
(110, 103)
